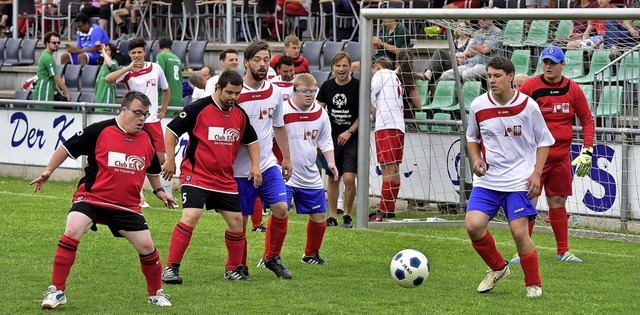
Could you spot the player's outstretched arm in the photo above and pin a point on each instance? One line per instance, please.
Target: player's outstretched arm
(167, 199)
(56, 160)
(254, 156)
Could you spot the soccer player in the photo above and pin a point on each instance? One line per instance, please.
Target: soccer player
(217, 129)
(309, 129)
(146, 77)
(285, 78)
(387, 107)
(120, 154)
(228, 61)
(172, 67)
(560, 100)
(90, 40)
(262, 102)
(508, 143)
(340, 98)
(292, 50)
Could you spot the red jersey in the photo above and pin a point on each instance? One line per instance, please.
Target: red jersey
(560, 103)
(117, 163)
(215, 135)
(300, 64)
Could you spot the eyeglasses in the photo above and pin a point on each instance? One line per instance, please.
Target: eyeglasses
(55, 43)
(306, 91)
(139, 113)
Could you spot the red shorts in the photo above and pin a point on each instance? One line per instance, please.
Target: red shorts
(389, 146)
(155, 129)
(556, 179)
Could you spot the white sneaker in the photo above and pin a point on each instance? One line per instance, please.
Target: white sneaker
(144, 204)
(53, 297)
(492, 277)
(534, 291)
(160, 299)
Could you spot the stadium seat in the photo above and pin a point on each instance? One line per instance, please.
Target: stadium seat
(513, 34)
(587, 89)
(599, 60)
(72, 77)
(470, 90)
(442, 116)
(179, 47)
(444, 96)
(195, 55)
(329, 50)
(521, 59)
(88, 97)
(563, 29)
(353, 48)
(423, 91)
(27, 52)
(88, 78)
(312, 51)
(12, 51)
(75, 96)
(21, 95)
(321, 76)
(610, 102)
(60, 69)
(574, 64)
(538, 35)
(148, 48)
(421, 116)
(3, 42)
(123, 50)
(628, 70)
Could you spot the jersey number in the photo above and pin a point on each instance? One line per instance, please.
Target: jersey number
(176, 69)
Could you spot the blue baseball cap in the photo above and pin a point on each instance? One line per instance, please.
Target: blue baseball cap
(554, 53)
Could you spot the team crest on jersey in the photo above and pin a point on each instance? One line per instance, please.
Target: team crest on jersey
(515, 130)
(266, 113)
(339, 100)
(285, 96)
(224, 136)
(561, 108)
(123, 163)
(310, 134)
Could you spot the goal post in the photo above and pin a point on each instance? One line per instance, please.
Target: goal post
(436, 170)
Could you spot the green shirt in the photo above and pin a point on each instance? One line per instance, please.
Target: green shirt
(172, 67)
(399, 38)
(45, 86)
(106, 92)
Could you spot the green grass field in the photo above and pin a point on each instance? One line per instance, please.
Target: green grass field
(106, 277)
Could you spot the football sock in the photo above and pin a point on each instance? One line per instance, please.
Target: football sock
(560, 226)
(276, 232)
(63, 259)
(532, 223)
(244, 248)
(180, 239)
(256, 216)
(529, 264)
(315, 235)
(388, 196)
(486, 248)
(152, 271)
(236, 243)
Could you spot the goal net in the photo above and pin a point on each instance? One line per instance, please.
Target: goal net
(435, 176)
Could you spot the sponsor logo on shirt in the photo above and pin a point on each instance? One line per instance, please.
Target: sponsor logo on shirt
(310, 134)
(266, 113)
(123, 163)
(339, 100)
(515, 131)
(561, 108)
(223, 136)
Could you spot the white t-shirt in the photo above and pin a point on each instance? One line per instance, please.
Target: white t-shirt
(146, 80)
(198, 93)
(286, 87)
(210, 87)
(386, 96)
(509, 136)
(264, 108)
(308, 131)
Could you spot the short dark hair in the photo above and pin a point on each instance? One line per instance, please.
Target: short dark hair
(223, 54)
(254, 47)
(47, 37)
(81, 17)
(137, 43)
(165, 42)
(501, 63)
(135, 95)
(285, 60)
(229, 76)
(384, 62)
(339, 56)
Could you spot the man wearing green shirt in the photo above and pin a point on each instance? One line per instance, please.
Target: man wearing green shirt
(172, 67)
(48, 79)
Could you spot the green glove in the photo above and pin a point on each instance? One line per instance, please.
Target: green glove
(583, 161)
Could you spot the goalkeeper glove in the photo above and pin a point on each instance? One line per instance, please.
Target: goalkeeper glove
(583, 162)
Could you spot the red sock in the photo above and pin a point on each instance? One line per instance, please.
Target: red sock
(152, 271)
(532, 223)
(486, 248)
(276, 232)
(180, 239)
(63, 259)
(388, 196)
(244, 248)
(315, 234)
(235, 243)
(529, 264)
(560, 226)
(256, 217)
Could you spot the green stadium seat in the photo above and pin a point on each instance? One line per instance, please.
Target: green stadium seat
(563, 29)
(599, 60)
(574, 64)
(470, 90)
(423, 91)
(628, 70)
(513, 34)
(442, 116)
(587, 89)
(521, 59)
(610, 102)
(538, 35)
(444, 96)
(421, 116)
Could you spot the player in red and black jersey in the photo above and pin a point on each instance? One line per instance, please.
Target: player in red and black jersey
(120, 153)
(560, 100)
(217, 128)
(292, 50)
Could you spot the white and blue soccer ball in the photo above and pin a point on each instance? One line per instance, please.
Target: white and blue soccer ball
(409, 268)
(587, 44)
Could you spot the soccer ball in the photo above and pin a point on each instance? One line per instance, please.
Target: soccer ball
(409, 268)
(587, 44)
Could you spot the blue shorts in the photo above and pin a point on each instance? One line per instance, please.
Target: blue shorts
(271, 191)
(91, 57)
(308, 201)
(514, 203)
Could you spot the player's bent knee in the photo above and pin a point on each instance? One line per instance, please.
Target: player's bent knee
(191, 216)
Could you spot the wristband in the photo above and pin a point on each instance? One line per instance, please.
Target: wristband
(157, 190)
(350, 131)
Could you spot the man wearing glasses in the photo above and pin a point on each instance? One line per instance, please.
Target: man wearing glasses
(48, 79)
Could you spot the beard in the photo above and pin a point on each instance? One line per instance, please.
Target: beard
(257, 76)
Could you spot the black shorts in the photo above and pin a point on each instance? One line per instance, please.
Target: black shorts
(116, 220)
(104, 12)
(346, 156)
(196, 197)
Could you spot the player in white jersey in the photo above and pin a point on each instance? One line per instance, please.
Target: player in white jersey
(262, 102)
(146, 77)
(285, 79)
(309, 129)
(508, 142)
(387, 106)
(228, 61)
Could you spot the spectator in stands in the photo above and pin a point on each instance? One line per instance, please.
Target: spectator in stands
(199, 82)
(340, 97)
(101, 8)
(589, 39)
(519, 79)
(293, 7)
(90, 39)
(51, 8)
(48, 79)
(484, 45)
(410, 97)
(440, 60)
(285, 79)
(6, 15)
(228, 62)
(131, 8)
(106, 92)
(172, 67)
(464, 4)
(618, 35)
(292, 49)
(579, 26)
(532, 4)
(394, 37)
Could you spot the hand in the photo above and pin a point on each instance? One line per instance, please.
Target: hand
(39, 181)
(167, 199)
(583, 162)
(168, 169)
(634, 33)
(533, 186)
(334, 171)
(480, 167)
(160, 114)
(68, 95)
(287, 169)
(256, 175)
(344, 137)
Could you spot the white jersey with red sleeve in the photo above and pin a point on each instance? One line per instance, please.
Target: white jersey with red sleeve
(264, 108)
(286, 87)
(308, 131)
(509, 136)
(386, 96)
(147, 80)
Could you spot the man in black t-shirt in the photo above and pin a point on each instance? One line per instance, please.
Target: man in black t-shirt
(340, 97)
